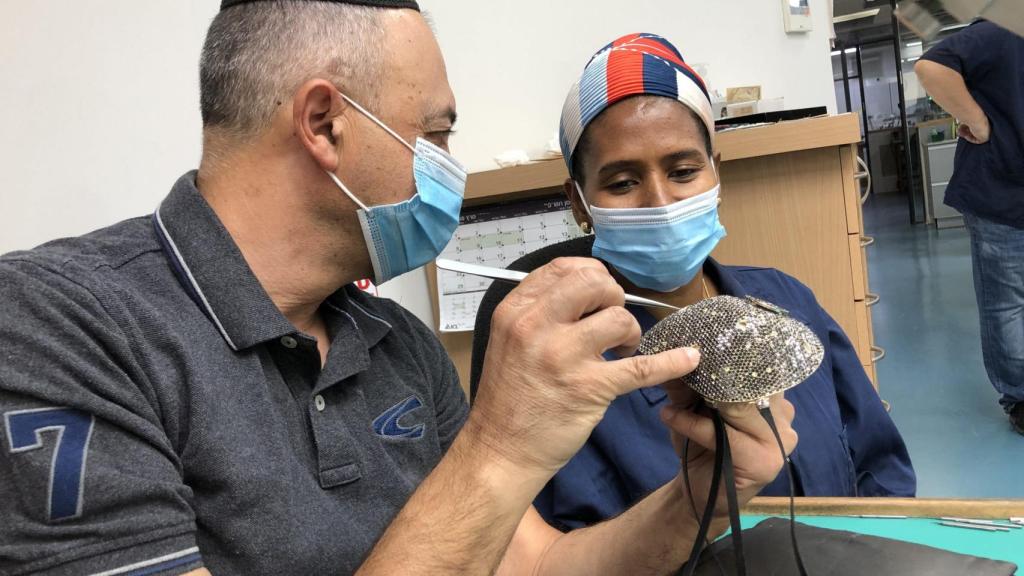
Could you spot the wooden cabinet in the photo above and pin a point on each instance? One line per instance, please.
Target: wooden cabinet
(789, 201)
(794, 204)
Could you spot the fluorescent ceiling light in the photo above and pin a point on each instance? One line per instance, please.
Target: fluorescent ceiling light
(912, 44)
(856, 16)
(847, 51)
(954, 27)
(911, 59)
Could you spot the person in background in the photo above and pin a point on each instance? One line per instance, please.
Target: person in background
(638, 138)
(977, 76)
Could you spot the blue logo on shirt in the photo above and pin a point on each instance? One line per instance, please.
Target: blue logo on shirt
(387, 423)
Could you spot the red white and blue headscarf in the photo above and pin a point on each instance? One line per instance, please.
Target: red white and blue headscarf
(632, 65)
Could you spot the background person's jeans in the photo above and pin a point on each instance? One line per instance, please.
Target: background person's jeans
(997, 252)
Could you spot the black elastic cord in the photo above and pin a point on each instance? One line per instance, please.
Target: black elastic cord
(693, 503)
(730, 495)
(723, 462)
(709, 511)
(766, 413)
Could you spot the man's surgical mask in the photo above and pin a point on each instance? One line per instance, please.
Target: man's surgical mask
(659, 248)
(403, 236)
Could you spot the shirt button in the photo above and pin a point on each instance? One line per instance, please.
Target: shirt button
(289, 342)
(318, 401)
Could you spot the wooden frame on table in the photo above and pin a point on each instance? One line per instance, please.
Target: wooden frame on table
(911, 507)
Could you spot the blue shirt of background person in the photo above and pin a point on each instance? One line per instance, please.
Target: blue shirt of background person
(988, 180)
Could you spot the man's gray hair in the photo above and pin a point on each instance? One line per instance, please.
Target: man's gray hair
(257, 54)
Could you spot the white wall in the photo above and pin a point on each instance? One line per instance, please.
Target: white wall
(99, 105)
(98, 111)
(511, 62)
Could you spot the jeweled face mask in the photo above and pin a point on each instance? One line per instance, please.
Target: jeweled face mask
(750, 349)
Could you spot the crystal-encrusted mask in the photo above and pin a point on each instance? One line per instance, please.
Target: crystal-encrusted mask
(750, 349)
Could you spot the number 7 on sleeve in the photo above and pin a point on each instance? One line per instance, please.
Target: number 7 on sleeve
(67, 468)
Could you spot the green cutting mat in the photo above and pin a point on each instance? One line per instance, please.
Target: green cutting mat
(1007, 546)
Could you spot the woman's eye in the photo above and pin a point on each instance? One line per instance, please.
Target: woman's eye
(622, 185)
(683, 173)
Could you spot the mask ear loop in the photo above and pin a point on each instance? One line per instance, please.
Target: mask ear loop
(586, 207)
(346, 190)
(718, 179)
(583, 199)
(376, 121)
(386, 128)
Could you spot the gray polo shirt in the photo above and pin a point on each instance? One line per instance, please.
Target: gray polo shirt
(159, 413)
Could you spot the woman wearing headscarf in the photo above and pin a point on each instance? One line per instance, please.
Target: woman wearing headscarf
(637, 134)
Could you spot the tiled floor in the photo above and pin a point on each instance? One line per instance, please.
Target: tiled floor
(927, 321)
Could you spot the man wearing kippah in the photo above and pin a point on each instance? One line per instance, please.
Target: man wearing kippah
(202, 390)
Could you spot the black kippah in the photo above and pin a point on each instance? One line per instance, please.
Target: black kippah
(410, 4)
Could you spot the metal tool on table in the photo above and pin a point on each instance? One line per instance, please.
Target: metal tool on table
(994, 523)
(974, 526)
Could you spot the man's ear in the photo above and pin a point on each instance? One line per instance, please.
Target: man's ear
(579, 213)
(318, 122)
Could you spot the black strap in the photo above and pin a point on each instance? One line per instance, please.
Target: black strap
(709, 511)
(766, 413)
(723, 465)
(730, 494)
(693, 503)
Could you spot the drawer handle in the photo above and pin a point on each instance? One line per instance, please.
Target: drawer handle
(871, 299)
(863, 174)
(866, 241)
(877, 354)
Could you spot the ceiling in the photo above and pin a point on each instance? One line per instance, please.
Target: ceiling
(875, 28)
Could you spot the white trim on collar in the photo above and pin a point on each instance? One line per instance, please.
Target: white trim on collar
(192, 280)
(370, 314)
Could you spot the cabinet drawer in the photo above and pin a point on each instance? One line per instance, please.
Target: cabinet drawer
(864, 256)
(859, 265)
(941, 159)
(863, 339)
(851, 189)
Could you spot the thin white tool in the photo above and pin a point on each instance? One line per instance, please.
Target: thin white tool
(882, 516)
(516, 276)
(981, 522)
(975, 526)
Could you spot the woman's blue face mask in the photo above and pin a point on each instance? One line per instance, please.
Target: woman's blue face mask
(660, 248)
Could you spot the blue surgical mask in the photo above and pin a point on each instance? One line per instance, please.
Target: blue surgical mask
(403, 236)
(659, 248)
